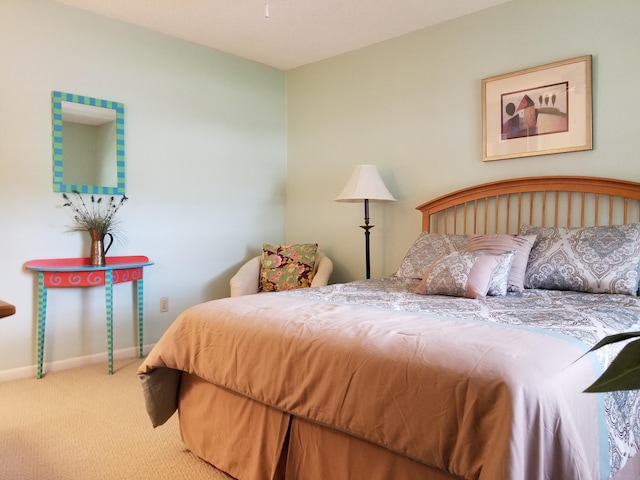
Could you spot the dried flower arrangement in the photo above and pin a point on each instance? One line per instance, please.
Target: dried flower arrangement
(97, 215)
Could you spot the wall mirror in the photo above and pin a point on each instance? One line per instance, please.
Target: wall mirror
(88, 144)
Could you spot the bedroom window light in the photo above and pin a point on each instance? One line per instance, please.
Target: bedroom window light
(365, 184)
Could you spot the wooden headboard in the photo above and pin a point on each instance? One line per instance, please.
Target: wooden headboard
(502, 206)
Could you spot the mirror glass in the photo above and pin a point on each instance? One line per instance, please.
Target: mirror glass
(88, 144)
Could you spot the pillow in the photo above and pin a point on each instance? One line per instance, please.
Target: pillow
(499, 284)
(460, 275)
(603, 259)
(427, 248)
(285, 267)
(502, 243)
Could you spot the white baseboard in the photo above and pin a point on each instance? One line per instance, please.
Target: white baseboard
(31, 371)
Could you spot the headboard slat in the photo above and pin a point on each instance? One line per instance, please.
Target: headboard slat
(626, 204)
(519, 211)
(611, 209)
(550, 201)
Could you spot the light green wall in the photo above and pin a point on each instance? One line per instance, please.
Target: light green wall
(412, 106)
(206, 165)
(206, 146)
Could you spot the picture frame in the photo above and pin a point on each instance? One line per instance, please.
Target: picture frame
(538, 111)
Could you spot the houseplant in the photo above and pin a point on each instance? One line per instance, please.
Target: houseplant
(624, 371)
(98, 218)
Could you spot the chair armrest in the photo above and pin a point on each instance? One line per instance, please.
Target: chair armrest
(247, 280)
(325, 268)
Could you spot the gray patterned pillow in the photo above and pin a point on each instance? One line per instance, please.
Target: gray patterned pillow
(460, 275)
(499, 284)
(602, 259)
(427, 248)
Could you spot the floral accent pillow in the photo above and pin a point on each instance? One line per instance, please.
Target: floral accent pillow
(427, 248)
(460, 275)
(285, 267)
(603, 259)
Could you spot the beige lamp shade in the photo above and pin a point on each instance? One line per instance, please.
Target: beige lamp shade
(365, 184)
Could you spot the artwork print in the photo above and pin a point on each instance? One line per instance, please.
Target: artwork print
(537, 111)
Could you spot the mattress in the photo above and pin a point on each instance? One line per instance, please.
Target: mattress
(487, 389)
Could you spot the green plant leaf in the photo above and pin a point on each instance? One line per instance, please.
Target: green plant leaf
(624, 371)
(618, 337)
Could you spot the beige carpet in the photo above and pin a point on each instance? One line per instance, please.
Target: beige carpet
(83, 424)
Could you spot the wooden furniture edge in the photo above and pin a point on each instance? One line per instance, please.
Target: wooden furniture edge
(6, 309)
(581, 184)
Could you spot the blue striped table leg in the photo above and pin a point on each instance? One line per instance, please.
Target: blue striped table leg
(108, 291)
(42, 316)
(140, 316)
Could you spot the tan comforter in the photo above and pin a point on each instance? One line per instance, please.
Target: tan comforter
(480, 401)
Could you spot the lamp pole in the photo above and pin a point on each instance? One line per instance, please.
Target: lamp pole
(366, 228)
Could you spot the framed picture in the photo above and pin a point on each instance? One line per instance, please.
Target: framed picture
(537, 111)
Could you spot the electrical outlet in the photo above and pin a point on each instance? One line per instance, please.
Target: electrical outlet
(164, 304)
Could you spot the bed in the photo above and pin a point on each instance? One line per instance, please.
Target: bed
(478, 376)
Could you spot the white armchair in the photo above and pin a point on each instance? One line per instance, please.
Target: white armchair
(247, 280)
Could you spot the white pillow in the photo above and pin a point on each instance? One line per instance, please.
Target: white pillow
(503, 243)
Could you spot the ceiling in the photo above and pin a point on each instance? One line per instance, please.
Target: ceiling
(295, 33)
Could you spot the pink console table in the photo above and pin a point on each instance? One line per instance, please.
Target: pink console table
(76, 272)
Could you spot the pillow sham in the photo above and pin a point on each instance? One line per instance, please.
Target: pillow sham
(285, 267)
(602, 259)
(502, 243)
(499, 283)
(460, 274)
(427, 248)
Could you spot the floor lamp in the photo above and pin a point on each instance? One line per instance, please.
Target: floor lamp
(365, 184)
